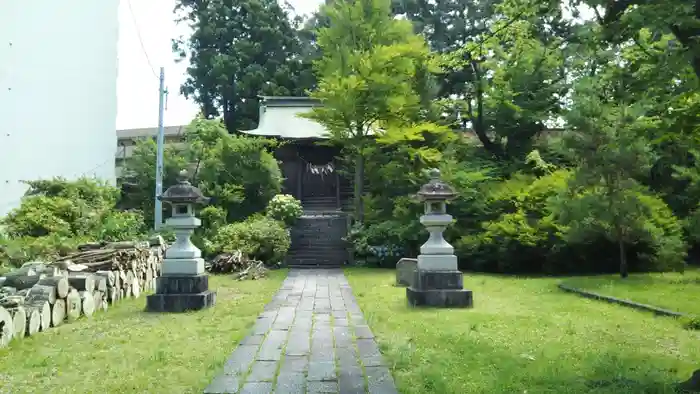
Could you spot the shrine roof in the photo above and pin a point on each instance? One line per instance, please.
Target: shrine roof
(279, 117)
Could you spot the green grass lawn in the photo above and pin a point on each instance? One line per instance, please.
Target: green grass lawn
(523, 336)
(673, 291)
(126, 350)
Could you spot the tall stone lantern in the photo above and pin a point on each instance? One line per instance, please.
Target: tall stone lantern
(183, 284)
(437, 280)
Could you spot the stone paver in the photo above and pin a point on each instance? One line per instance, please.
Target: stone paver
(311, 338)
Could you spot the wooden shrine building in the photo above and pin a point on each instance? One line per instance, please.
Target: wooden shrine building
(310, 172)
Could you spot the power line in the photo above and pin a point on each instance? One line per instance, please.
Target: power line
(138, 34)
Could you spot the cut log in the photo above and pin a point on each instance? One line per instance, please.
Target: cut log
(100, 283)
(117, 280)
(7, 330)
(112, 295)
(73, 305)
(19, 321)
(149, 279)
(37, 266)
(44, 309)
(87, 303)
(108, 275)
(90, 246)
(7, 290)
(33, 321)
(43, 293)
(129, 281)
(21, 282)
(98, 297)
(22, 271)
(122, 245)
(136, 289)
(58, 313)
(82, 282)
(24, 293)
(12, 301)
(59, 282)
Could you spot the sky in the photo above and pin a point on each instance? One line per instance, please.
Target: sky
(137, 82)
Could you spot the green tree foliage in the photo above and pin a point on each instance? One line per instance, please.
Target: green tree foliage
(239, 173)
(56, 215)
(237, 51)
(608, 141)
(139, 175)
(258, 237)
(367, 82)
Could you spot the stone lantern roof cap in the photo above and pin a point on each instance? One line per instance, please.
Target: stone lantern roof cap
(436, 189)
(183, 192)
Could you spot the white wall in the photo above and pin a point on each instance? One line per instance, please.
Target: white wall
(58, 100)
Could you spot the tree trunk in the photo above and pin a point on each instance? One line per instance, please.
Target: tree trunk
(359, 187)
(623, 257)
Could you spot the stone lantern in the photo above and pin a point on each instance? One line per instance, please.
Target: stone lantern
(437, 280)
(183, 284)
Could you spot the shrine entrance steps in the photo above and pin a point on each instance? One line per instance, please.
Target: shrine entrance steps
(318, 240)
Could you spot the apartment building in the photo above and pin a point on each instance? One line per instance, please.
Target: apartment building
(127, 139)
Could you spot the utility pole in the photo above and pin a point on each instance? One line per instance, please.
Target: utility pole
(158, 222)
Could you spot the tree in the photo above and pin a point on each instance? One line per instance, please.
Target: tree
(622, 20)
(237, 172)
(507, 75)
(139, 175)
(367, 80)
(239, 50)
(610, 150)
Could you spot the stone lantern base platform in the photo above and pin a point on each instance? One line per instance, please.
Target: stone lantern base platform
(181, 294)
(439, 289)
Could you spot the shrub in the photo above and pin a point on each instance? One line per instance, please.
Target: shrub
(238, 172)
(542, 227)
(260, 238)
(654, 236)
(285, 208)
(16, 251)
(524, 237)
(122, 225)
(57, 215)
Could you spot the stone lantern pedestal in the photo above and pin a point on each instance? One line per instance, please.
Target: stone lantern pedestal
(437, 280)
(183, 284)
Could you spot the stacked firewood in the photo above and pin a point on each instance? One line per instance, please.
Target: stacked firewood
(40, 295)
(239, 264)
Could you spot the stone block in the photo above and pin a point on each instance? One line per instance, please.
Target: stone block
(182, 267)
(437, 280)
(291, 383)
(441, 298)
(405, 271)
(223, 384)
(437, 262)
(180, 302)
(262, 371)
(182, 284)
(321, 371)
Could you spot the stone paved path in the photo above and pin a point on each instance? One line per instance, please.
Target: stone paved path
(312, 338)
